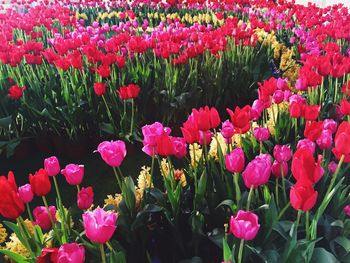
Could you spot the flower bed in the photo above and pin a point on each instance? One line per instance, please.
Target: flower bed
(259, 175)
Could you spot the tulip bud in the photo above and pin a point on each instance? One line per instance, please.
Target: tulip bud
(52, 166)
(25, 193)
(278, 167)
(73, 173)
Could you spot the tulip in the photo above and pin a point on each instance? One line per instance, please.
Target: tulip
(347, 210)
(40, 183)
(25, 193)
(311, 112)
(303, 197)
(206, 118)
(261, 134)
(164, 145)
(99, 225)
(42, 217)
(48, 255)
(150, 136)
(11, 205)
(282, 153)
(128, 92)
(179, 147)
(73, 173)
(85, 198)
(330, 124)
(71, 252)
(190, 130)
(345, 107)
(304, 167)
(313, 130)
(257, 171)
(245, 225)
(52, 166)
(113, 152)
(278, 96)
(99, 88)
(295, 109)
(240, 118)
(205, 137)
(234, 161)
(332, 167)
(15, 92)
(227, 131)
(342, 142)
(278, 167)
(307, 144)
(325, 140)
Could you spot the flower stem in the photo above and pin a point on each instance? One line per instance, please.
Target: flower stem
(250, 196)
(276, 190)
(240, 251)
(103, 255)
(51, 219)
(132, 117)
(283, 185)
(29, 212)
(238, 190)
(307, 224)
(118, 179)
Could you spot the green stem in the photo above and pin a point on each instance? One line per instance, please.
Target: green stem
(132, 117)
(118, 179)
(109, 114)
(307, 224)
(240, 251)
(25, 238)
(250, 196)
(283, 211)
(283, 185)
(237, 189)
(103, 255)
(276, 190)
(29, 212)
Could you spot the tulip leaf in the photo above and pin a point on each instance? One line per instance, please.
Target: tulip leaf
(6, 122)
(129, 193)
(14, 256)
(321, 255)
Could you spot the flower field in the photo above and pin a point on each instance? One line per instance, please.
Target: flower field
(174, 131)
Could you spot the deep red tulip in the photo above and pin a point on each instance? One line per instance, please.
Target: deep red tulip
(311, 112)
(165, 145)
(313, 130)
(342, 142)
(345, 107)
(240, 118)
(15, 92)
(11, 205)
(99, 88)
(303, 197)
(40, 183)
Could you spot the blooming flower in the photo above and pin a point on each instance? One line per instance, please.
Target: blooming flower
(244, 225)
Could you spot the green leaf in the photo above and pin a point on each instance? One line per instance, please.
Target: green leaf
(321, 255)
(129, 193)
(6, 122)
(14, 256)
(227, 250)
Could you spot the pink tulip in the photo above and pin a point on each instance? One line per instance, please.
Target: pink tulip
(261, 134)
(52, 166)
(306, 143)
(25, 193)
(42, 218)
(179, 147)
(205, 137)
(71, 253)
(325, 140)
(227, 131)
(85, 198)
(282, 153)
(73, 173)
(244, 225)
(113, 152)
(278, 167)
(332, 167)
(257, 171)
(278, 96)
(330, 124)
(234, 161)
(347, 210)
(99, 225)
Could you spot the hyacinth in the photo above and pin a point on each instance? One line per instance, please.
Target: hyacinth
(3, 234)
(195, 152)
(219, 140)
(15, 246)
(113, 200)
(144, 179)
(181, 177)
(164, 167)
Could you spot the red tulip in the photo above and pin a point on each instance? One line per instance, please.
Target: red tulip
(206, 118)
(342, 142)
(40, 183)
(313, 130)
(15, 92)
(296, 109)
(11, 205)
(128, 92)
(304, 167)
(311, 112)
(303, 197)
(240, 118)
(99, 88)
(48, 255)
(164, 145)
(85, 198)
(345, 107)
(190, 130)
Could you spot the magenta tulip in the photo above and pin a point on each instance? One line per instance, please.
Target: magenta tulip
(244, 225)
(85, 198)
(179, 147)
(325, 140)
(261, 134)
(234, 161)
(71, 253)
(113, 152)
(257, 171)
(73, 173)
(278, 167)
(52, 166)
(332, 167)
(306, 143)
(330, 124)
(25, 193)
(42, 218)
(282, 153)
(227, 131)
(99, 225)
(347, 210)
